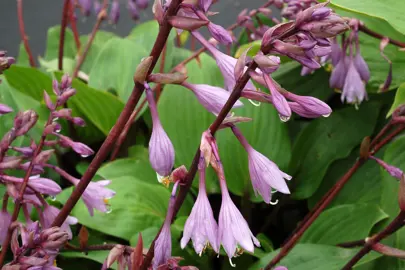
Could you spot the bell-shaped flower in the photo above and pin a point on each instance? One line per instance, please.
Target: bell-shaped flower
(220, 34)
(361, 67)
(233, 229)
(354, 91)
(5, 219)
(279, 101)
(264, 173)
(225, 63)
(338, 76)
(161, 150)
(133, 10)
(201, 226)
(213, 98)
(114, 15)
(48, 215)
(310, 104)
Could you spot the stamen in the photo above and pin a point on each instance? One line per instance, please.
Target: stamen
(230, 262)
(255, 104)
(274, 203)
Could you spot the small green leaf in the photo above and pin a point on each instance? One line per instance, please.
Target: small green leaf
(344, 223)
(399, 99)
(52, 44)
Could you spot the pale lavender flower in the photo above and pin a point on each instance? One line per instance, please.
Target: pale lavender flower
(211, 97)
(279, 101)
(41, 185)
(142, 4)
(5, 219)
(4, 109)
(338, 76)
(85, 6)
(48, 215)
(114, 12)
(78, 147)
(225, 63)
(232, 227)
(281, 268)
(264, 173)
(310, 104)
(361, 67)
(163, 245)
(133, 10)
(336, 52)
(161, 150)
(97, 6)
(204, 4)
(96, 195)
(201, 226)
(220, 34)
(392, 170)
(354, 91)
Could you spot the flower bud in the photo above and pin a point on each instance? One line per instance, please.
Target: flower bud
(114, 12)
(78, 121)
(167, 78)
(66, 95)
(25, 121)
(133, 10)
(158, 11)
(54, 238)
(267, 64)
(143, 69)
(4, 109)
(48, 101)
(186, 23)
(44, 156)
(142, 4)
(392, 170)
(179, 174)
(220, 34)
(241, 64)
(10, 164)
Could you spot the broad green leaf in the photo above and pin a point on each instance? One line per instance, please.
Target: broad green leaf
(266, 132)
(52, 65)
(99, 41)
(326, 140)
(135, 207)
(383, 16)
(115, 66)
(22, 59)
(344, 223)
(52, 44)
(314, 257)
(354, 191)
(399, 99)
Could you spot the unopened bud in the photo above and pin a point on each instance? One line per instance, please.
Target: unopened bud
(158, 11)
(271, 34)
(44, 156)
(115, 252)
(29, 119)
(11, 163)
(167, 78)
(66, 95)
(79, 121)
(241, 64)
(179, 174)
(54, 238)
(205, 147)
(66, 82)
(187, 23)
(267, 64)
(143, 69)
(4, 109)
(52, 128)
(48, 101)
(265, 11)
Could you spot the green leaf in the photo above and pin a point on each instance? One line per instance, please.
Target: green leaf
(314, 257)
(52, 65)
(99, 41)
(383, 16)
(399, 99)
(266, 132)
(115, 66)
(22, 59)
(135, 207)
(52, 44)
(326, 140)
(343, 223)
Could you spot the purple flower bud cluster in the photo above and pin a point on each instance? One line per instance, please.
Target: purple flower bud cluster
(39, 238)
(350, 73)
(38, 248)
(5, 63)
(293, 7)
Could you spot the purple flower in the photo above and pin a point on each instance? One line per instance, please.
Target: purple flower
(201, 226)
(361, 66)
(133, 10)
(5, 219)
(264, 173)
(338, 76)
(97, 6)
(96, 195)
(336, 52)
(48, 215)
(392, 170)
(41, 185)
(211, 97)
(354, 91)
(225, 63)
(163, 245)
(78, 147)
(281, 268)
(279, 101)
(114, 12)
(85, 6)
(142, 4)
(4, 109)
(232, 227)
(5, 62)
(220, 34)
(312, 105)
(161, 150)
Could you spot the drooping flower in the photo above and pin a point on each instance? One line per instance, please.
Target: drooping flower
(279, 101)
(133, 10)
(201, 226)
(233, 229)
(354, 91)
(219, 33)
(5, 219)
(48, 215)
(142, 4)
(86, 6)
(264, 173)
(361, 67)
(161, 150)
(338, 76)
(392, 170)
(78, 147)
(310, 104)
(114, 12)
(211, 97)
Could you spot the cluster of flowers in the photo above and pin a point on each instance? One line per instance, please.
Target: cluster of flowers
(304, 41)
(133, 6)
(38, 237)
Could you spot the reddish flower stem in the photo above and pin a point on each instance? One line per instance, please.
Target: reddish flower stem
(20, 198)
(22, 33)
(100, 18)
(133, 100)
(328, 198)
(395, 225)
(376, 35)
(73, 25)
(65, 15)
